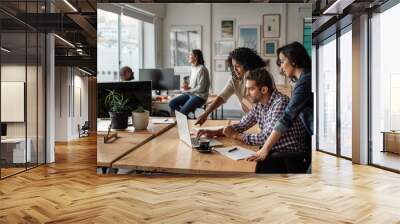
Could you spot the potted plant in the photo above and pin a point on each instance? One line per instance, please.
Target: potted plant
(140, 118)
(119, 110)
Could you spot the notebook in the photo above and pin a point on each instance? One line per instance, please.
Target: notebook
(238, 154)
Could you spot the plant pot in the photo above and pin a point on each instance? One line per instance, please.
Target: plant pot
(119, 121)
(140, 121)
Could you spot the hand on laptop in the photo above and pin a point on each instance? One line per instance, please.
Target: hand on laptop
(209, 133)
(231, 133)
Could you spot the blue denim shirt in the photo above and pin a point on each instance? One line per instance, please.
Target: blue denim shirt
(301, 104)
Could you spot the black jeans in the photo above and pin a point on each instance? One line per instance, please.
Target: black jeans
(287, 162)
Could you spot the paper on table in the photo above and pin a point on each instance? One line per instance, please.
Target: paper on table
(162, 121)
(211, 128)
(240, 153)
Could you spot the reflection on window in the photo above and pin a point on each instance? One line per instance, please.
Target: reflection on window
(346, 94)
(327, 97)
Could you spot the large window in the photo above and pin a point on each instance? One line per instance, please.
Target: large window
(346, 93)
(123, 40)
(107, 46)
(385, 89)
(327, 96)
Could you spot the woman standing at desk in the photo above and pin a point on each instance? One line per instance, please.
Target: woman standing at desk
(295, 63)
(241, 60)
(199, 86)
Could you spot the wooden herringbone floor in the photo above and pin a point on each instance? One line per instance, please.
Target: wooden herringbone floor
(70, 191)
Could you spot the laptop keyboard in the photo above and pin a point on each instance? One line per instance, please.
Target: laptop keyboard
(195, 141)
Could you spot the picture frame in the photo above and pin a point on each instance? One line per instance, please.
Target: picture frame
(227, 29)
(220, 65)
(271, 25)
(270, 47)
(249, 36)
(224, 47)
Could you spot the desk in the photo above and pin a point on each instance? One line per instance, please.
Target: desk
(167, 153)
(127, 141)
(391, 141)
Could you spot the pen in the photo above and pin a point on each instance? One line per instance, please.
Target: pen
(231, 150)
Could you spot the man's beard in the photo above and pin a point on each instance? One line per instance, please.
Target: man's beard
(255, 99)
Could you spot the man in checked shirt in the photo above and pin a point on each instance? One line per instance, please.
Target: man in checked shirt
(268, 107)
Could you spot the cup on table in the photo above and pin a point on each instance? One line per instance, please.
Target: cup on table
(204, 145)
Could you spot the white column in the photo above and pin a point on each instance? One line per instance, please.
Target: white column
(360, 90)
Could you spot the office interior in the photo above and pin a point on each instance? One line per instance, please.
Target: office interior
(46, 80)
(356, 83)
(355, 163)
(155, 40)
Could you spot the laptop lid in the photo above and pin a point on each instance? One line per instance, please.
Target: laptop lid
(183, 128)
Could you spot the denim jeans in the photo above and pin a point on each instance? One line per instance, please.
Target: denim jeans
(186, 103)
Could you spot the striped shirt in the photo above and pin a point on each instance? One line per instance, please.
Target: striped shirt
(266, 116)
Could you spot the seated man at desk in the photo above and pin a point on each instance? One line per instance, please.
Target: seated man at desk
(268, 107)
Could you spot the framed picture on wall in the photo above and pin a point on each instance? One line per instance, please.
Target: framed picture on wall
(223, 47)
(271, 25)
(269, 48)
(220, 65)
(227, 29)
(249, 36)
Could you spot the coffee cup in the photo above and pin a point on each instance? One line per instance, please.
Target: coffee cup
(204, 145)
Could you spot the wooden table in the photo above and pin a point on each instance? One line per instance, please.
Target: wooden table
(167, 153)
(127, 141)
(391, 141)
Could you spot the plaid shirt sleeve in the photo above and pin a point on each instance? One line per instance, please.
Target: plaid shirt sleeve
(247, 121)
(268, 122)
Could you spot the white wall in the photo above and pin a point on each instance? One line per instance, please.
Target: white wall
(70, 83)
(209, 15)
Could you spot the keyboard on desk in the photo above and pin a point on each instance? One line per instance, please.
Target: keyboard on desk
(195, 141)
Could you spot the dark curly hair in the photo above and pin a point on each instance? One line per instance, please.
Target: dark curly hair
(296, 54)
(247, 57)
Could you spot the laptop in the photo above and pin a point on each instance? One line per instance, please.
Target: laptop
(184, 134)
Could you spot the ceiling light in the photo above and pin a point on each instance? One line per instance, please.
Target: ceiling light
(5, 50)
(64, 40)
(84, 71)
(70, 5)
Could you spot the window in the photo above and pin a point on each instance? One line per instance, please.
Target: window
(123, 40)
(385, 88)
(107, 45)
(183, 40)
(346, 94)
(327, 96)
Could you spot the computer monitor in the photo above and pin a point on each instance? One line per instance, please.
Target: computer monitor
(162, 79)
(177, 82)
(3, 129)
(138, 92)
